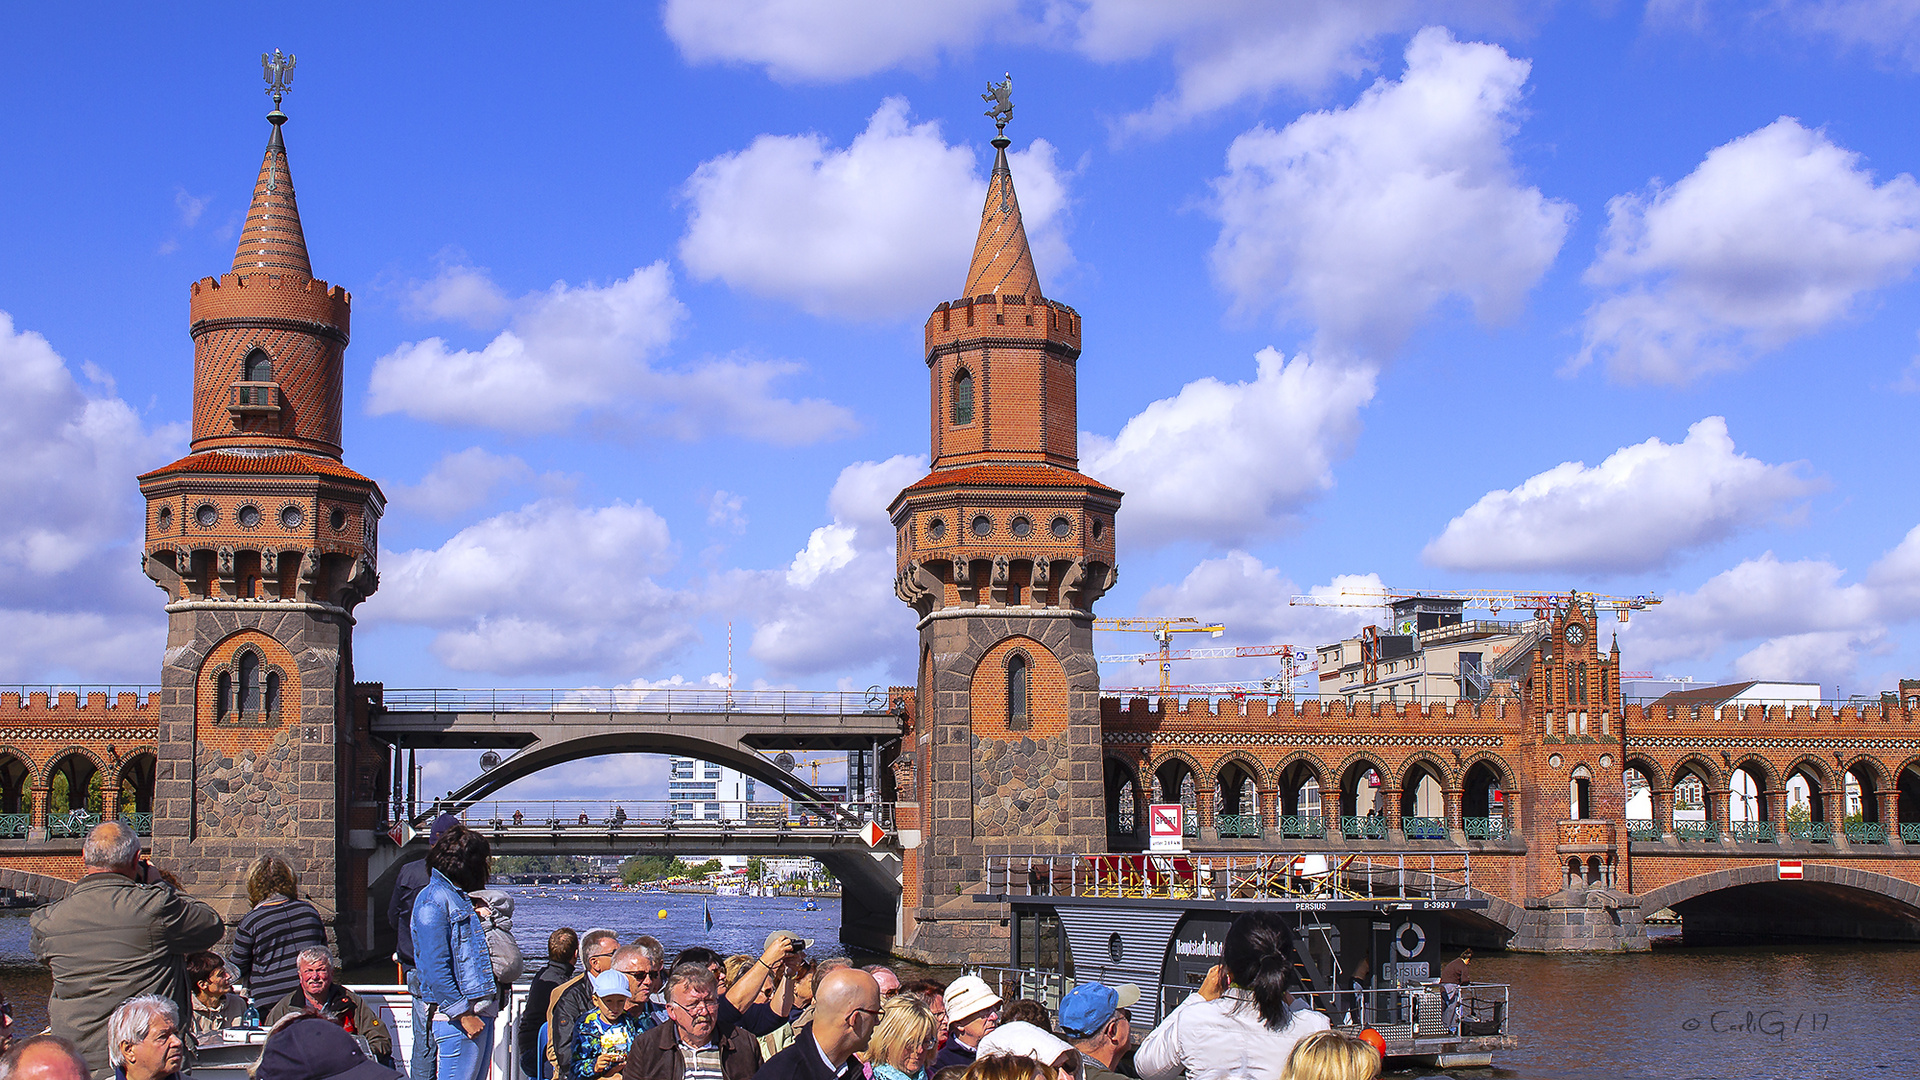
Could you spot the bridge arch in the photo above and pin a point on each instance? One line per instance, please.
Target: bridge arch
(45, 886)
(1292, 775)
(542, 756)
(79, 766)
(1171, 770)
(1831, 901)
(1353, 773)
(17, 776)
(1126, 800)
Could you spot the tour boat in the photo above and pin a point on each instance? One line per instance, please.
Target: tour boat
(1158, 921)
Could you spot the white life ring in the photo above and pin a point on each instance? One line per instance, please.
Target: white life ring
(1400, 940)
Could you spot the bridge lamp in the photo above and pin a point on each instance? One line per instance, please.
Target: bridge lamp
(490, 760)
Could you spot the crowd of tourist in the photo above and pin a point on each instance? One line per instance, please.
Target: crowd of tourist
(137, 991)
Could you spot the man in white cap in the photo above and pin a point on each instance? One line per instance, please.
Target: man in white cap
(1094, 1016)
(973, 1011)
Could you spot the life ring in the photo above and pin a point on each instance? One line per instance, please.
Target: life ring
(1400, 940)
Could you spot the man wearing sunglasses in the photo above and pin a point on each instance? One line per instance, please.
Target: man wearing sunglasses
(689, 1047)
(846, 1007)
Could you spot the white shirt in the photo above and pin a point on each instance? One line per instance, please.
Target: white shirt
(1223, 1039)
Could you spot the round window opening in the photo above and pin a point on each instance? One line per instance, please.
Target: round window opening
(208, 516)
(983, 526)
(1099, 528)
(1020, 527)
(166, 519)
(337, 519)
(1062, 527)
(249, 517)
(936, 530)
(1115, 948)
(291, 517)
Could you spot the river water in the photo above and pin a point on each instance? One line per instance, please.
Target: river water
(1800, 1012)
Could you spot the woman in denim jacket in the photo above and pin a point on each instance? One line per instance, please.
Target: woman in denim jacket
(450, 953)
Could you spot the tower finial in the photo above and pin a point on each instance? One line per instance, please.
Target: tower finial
(1000, 95)
(277, 68)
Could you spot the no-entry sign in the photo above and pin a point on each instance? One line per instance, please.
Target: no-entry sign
(1166, 827)
(1790, 870)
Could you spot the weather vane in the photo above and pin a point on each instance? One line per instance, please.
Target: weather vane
(278, 70)
(1000, 94)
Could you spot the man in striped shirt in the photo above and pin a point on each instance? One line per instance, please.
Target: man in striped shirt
(688, 1048)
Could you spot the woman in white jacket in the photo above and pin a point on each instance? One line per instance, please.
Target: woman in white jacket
(1241, 1024)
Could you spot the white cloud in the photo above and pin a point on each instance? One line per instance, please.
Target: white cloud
(1251, 600)
(551, 587)
(586, 350)
(832, 608)
(1224, 463)
(1361, 220)
(460, 294)
(868, 232)
(1889, 30)
(810, 41)
(1797, 619)
(726, 510)
(1634, 511)
(458, 482)
(1774, 236)
(73, 602)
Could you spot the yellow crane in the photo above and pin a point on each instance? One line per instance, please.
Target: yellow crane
(1493, 600)
(1162, 628)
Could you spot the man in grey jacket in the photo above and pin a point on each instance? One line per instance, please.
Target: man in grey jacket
(123, 932)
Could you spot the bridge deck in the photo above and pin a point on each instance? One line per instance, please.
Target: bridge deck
(755, 719)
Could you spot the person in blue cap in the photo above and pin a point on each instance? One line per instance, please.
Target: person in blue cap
(1093, 1017)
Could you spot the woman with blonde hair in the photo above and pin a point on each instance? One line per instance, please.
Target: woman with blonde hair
(268, 941)
(1331, 1055)
(1009, 1067)
(904, 1039)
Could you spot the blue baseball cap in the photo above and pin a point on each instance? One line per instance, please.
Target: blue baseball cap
(1084, 1011)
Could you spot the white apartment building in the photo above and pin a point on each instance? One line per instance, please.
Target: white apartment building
(704, 791)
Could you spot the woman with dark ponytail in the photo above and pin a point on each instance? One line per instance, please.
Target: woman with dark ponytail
(1241, 1023)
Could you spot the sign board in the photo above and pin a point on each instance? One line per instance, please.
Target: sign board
(1499, 798)
(1791, 870)
(1404, 973)
(873, 834)
(1166, 827)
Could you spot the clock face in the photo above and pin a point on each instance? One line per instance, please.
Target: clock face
(1576, 633)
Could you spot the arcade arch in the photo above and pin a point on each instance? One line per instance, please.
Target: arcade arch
(1423, 802)
(1301, 808)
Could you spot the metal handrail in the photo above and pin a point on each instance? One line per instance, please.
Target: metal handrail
(1236, 875)
(871, 702)
(602, 817)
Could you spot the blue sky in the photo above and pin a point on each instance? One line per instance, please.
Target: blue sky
(1600, 295)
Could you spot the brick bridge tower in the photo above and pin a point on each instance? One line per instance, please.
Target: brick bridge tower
(264, 541)
(1002, 550)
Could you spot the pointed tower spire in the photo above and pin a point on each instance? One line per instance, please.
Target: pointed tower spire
(1002, 262)
(272, 240)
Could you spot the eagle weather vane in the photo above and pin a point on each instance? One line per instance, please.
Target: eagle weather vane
(278, 70)
(1000, 94)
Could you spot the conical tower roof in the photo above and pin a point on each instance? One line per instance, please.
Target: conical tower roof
(1002, 262)
(272, 240)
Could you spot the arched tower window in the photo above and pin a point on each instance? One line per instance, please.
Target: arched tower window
(222, 696)
(249, 682)
(963, 398)
(1019, 678)
(258, 367)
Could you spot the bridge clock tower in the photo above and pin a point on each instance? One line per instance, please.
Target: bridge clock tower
(1002, 550)
(263, 541)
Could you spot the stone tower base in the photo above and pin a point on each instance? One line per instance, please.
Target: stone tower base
(1588, 920)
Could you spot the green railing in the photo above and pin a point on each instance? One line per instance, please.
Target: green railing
(1866, 832)
(1817, 832)
(1642, 829)
(1486, 828)
(1370, 827)
(71, 825)
(141, 824)
(14, 826)
(1696, 830)
(1237, 826)
(1910, 831)
(1423, 828)
(1753, 832)
(1303, 827)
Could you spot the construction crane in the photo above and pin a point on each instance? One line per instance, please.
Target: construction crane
(1493, 600)
(1167, 656)
(1163, 629)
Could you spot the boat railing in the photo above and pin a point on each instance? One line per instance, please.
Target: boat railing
(1401, 1013)
(1282, 875)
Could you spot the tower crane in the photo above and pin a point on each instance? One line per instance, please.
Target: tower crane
(1493, 600)
(1162, 628)
(1293, 656)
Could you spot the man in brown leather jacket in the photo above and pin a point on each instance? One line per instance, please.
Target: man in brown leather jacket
(122, 933)
(687, 1048)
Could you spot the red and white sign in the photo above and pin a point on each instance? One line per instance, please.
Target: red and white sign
(1791, 870)
(873, 834)
(1166, 827)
